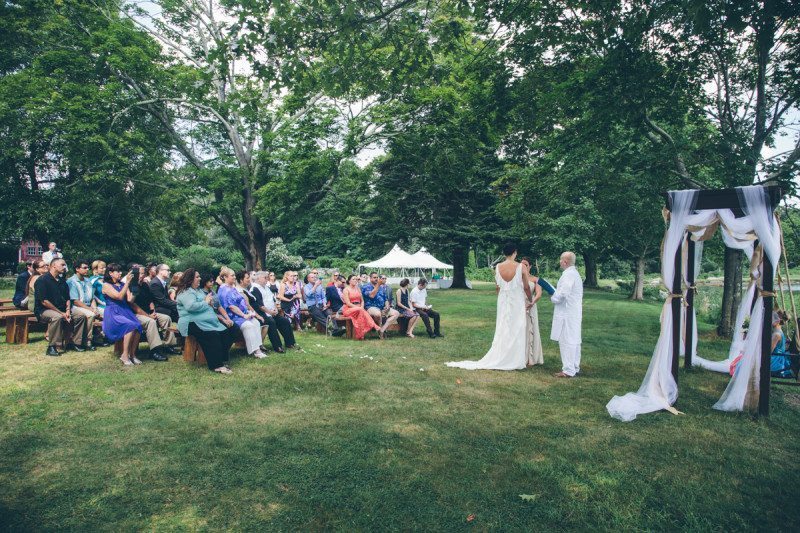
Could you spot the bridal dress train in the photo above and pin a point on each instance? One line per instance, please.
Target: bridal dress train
(510, 336)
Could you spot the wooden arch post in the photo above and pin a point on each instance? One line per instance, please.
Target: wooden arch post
(723, 199)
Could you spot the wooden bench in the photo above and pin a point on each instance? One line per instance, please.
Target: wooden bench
(193, 353)
(118, 346)
(16, 325)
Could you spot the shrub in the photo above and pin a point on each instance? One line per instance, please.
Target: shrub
(615, 267)
(279, 259)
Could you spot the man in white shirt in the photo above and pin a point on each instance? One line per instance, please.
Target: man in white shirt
(419, 301)
(567, 316)
(51, 253)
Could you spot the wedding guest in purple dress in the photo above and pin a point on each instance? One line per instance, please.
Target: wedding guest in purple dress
(119, 320)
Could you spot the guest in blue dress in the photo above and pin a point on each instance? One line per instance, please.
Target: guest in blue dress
(245, 318)
(119, 320)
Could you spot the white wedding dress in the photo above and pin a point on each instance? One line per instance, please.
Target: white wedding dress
(510, 336)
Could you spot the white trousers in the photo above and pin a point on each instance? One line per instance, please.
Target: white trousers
(570, 358)
(251, 331)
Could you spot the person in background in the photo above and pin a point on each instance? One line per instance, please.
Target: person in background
(159, 290)
(39, 268)
(376, 302)
(268, 309)
(157, 327)
(54, 308)
(407, 312)
(290, 294)
(172, 291)
(82, 296)
(363, 280)
(151, 271)
(98, 272)
(119, 321)
(272, 283)
(419, 301)
(197, 318)
(242, 315)
(52, 253)
(21, 286)
(354, 309)
(318, 306)
(334, 277)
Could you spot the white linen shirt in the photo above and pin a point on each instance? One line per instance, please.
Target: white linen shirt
(568, 308)
(419, 296)
(268, 297)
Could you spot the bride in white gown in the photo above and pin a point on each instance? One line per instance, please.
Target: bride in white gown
(510, 338)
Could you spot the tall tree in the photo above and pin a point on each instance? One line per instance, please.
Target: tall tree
(73, 173)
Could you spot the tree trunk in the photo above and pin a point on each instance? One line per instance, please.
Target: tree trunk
(732, 292)
(590, 262)
(459, 276)
(638, 282)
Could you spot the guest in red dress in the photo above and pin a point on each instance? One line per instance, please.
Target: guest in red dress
(354, 309)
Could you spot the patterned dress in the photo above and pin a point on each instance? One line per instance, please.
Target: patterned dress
(291, 309)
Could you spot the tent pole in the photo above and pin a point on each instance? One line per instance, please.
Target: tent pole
(689, 329)
(766, 336)
(676, 313)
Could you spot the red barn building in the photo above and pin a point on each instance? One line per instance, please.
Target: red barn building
(30, 249)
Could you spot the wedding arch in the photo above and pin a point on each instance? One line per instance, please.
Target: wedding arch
(747, 219)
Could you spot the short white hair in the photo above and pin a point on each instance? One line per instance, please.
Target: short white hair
(570, 257)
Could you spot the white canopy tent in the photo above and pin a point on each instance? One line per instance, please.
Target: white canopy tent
(400, 264)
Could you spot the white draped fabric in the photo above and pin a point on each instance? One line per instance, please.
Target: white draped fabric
(658, 390)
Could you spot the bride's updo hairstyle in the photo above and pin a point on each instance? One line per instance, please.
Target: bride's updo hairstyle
(509, 248)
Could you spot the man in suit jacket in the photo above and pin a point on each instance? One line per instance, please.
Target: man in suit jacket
(21, 287)
(333, 295)
(160, 295)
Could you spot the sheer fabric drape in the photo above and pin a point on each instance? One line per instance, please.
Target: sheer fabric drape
(658, 389)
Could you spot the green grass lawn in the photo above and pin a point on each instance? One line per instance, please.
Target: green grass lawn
(381, 435)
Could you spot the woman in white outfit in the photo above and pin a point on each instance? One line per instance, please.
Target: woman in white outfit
(241, 313)
(533, 347)
(508, 347)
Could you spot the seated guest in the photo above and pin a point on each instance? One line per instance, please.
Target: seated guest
(780, 360)
(419, 297)
(318, 306)
(159, 291)
(82, 296)
(334, 277)
(39, 268)
(240, 312)
(119, 321)
(98, 272)
(333, 294)
(354, 309)
(272, 283)
(157, 327)
(197, 318)
(376, 301)
(364, 280)
(290, 295)
(21, 286)
(266, 307)
(52, 253)
(54, 308)
(207, 284)
(172, 292)
(407, 312)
